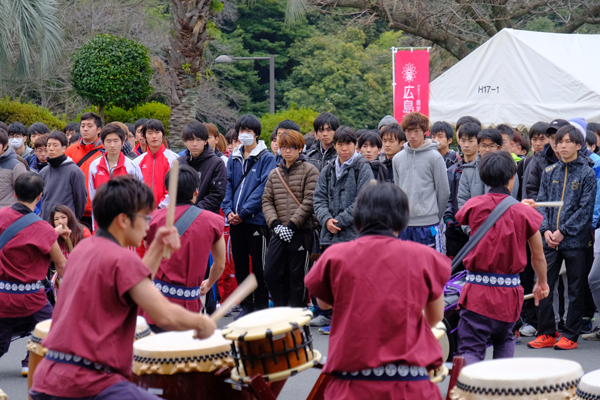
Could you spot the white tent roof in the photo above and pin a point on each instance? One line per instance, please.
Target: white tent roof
(521, 77)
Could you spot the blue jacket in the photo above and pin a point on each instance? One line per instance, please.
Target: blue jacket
(575, 184)
(247, 199)
(596, 159)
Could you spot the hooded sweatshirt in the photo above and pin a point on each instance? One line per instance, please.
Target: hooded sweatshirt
(66, 185)
(10, 169)
(77, 152)
(421, 174)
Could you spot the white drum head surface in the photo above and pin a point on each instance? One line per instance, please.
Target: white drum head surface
(589, 385)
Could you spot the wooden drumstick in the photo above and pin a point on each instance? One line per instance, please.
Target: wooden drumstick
(550, 204)
(68, 240)
(244, 290)
(528, 296)
(173, 179)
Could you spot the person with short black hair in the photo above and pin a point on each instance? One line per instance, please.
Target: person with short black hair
(408, 303)
(24, 261)
(291, 219)
(392, 141)
(421, 173)
(211, 170)
(156, 162)
(36, 130)
(187, 267)
(72, 128)
(10, 169)
(443, 133)
(508, 135)
(323, 151)
(566, 233)
(141, 147)
(64, 181)
(248, 169)
(369, 145)
(17, 135)
(491, 300)
(467, 118)
(488, 141)
(41, 154)
(232, 140)
(113, 163)
(214, 137)
(467, 139)
(85, 151)
(309, 140)
(115, 282)
(275, 146)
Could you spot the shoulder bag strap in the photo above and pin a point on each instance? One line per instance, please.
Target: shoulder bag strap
(17, 227)
(186, 219)
(287, 187)
(88, 156)
(494, 216)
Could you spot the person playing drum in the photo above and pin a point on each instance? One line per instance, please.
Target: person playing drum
(491, 300)
(90, 345)
(387, 294)
(181, 278)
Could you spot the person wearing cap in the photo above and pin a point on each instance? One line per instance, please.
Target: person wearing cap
(388, 119)
(566, 231)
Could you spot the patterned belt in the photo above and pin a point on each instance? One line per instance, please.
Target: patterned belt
(390, 372)
(20, 287)
(498, 280)
(177, 292)
(64, 358)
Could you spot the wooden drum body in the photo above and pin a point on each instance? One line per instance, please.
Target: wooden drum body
(518, 378)
(275, 343)
(36, 351)
(174, 365)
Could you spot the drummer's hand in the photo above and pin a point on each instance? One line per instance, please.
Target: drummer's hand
(540, 292)
(529, 202)
(205, 328)
(167, 236)
(62, 231)
(204, 287)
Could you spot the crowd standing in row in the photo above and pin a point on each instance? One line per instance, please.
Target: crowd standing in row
(281, 208)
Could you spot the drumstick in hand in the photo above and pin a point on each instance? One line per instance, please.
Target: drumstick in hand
(173, 179)
(244, 290)
(68, 240)
(528, 296)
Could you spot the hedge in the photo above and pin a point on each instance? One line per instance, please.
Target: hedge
(151, 110)
(304, 117)
(29, 113)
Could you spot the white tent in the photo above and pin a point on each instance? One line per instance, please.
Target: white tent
(521, 77)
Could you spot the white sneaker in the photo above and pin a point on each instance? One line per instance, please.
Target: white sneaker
(24, 371)
(528, 330)
(594, 335)
(320, 320)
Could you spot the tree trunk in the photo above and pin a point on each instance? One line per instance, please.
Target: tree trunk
(183, 111)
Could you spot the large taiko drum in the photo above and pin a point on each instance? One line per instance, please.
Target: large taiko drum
(589, 387)
(439, 331)
(174, 365)
(275, 343)
(36, 350)
(518, 378)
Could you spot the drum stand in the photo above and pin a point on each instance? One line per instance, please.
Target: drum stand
(256, 387)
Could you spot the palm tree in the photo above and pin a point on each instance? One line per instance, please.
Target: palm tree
(29, 35)
(190, 20)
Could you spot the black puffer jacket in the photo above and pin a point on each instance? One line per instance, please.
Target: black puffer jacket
(319, 158)
(534, 171)
(575, 184)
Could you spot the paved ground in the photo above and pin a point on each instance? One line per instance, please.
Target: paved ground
(298, 388)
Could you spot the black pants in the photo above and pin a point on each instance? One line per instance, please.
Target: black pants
(286, 266)
(576, 268)
(528, 281)
(589, 307)
(250, 241)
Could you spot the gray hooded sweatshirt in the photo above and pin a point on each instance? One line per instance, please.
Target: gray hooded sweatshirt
(63, 185)
(421, 174)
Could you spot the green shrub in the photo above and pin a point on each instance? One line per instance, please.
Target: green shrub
(151, 110)
(304, 117)
(28, 113)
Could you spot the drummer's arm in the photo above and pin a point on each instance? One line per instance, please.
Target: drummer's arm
(59, 259)
(434, 311)
(323, 305)
(538, 263)
(167, 315)
(218, 251)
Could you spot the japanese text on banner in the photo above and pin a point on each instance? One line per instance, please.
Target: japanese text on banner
(411, 78)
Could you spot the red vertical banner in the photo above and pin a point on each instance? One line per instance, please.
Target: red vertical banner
(411, 82)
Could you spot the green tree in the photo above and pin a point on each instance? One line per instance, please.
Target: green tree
(337, 73)
(111, 70)
(29, 33)
(304, 117)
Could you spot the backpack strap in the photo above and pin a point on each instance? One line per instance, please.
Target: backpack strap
(491, 219)
(90, 154)
(186, 219)
(358, 166)
(16, 227)
(259, 155)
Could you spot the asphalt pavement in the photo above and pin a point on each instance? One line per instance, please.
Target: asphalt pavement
(298, 387)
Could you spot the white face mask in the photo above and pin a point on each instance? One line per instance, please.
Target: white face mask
(246, 139)
(16, 143)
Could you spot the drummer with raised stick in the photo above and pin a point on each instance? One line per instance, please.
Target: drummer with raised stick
(387, 295)
(180, 278)
(491, 300)
(90, 345)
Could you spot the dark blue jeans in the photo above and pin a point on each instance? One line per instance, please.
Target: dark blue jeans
(9, 326)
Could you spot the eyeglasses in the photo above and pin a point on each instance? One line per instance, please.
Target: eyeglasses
(148, 218)
(285, 148)
(488, 146)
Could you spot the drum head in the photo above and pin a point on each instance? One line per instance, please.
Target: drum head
(278, 320)
(42, 328)
(589, 387)
(500, 376)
